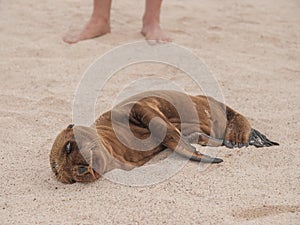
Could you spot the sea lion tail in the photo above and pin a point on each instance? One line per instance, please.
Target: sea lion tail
(259, 140)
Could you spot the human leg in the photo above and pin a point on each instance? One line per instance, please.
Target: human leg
(151, 22)
(99, 23)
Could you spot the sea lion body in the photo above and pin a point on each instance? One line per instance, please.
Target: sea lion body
(143, 125)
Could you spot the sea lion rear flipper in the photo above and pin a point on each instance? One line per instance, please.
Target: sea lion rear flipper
(259, 140)
(232, 144)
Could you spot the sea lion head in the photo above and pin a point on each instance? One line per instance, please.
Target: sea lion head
(71, 157)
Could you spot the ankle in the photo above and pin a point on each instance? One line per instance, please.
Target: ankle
(149, 20)
(100, 19)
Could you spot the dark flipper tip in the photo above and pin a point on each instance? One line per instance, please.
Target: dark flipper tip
(208, 159)
(217, 160)
(259, 140)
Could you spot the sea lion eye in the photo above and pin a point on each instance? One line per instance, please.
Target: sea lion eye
(68, 147)
(82, 169)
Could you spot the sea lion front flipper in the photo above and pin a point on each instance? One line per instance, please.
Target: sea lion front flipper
(259, 140)
(173, 138)
(187, 150)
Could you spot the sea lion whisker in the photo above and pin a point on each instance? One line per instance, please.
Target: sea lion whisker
(90, 167)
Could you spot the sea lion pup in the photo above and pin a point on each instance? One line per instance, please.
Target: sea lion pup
(155, 120)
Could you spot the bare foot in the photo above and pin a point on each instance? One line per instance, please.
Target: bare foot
(94, 28)
(153, 32)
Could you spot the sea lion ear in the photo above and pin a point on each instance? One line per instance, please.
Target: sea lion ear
(70, 126)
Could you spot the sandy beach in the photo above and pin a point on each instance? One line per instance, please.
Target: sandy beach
(252, 48)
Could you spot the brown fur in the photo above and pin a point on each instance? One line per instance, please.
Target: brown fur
(101, 150)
